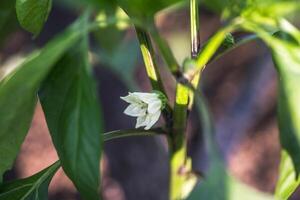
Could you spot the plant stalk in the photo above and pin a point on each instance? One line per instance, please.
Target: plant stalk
(184, 97)
(165, 50)
(152, 69)
(178, 144)
(195, 28)
(195, 44)
(148, 56)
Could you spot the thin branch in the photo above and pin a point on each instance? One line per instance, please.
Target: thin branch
(207, 53)
(152, 69)
(165, 50)
(195, 43)
(195, 28)
(238, 41)
(148, 56)
(132, 132)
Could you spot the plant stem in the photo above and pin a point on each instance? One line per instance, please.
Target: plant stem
(152, 69)
(165, 50)
(178, 148)
(195, 29)
(195, 44)
(208, 52)
(134, 132)
(178, 145)
(148, 56)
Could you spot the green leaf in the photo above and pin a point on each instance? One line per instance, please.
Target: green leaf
(285, 46)
(286, 56)
(31, 188)
(32, 14)
(258, 10)
(287, 182)
(18, 93)
(70, 104)
(8, 19)
(288, 63)
(218, 184)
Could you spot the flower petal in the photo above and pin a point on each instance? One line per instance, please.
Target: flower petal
(153, 118)
(140, 121)
(154, 107)
(134, 110)
(146, 97)
(131, 98)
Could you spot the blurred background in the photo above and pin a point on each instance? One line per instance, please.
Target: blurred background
(241, 89)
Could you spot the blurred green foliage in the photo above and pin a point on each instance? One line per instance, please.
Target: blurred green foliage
(8, 19)
(68, 97)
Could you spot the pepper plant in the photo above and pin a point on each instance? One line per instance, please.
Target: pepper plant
(59, 75)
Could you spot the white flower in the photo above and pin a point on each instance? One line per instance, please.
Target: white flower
(145, 106)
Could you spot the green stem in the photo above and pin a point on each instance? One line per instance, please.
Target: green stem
(148, 56)
(178, 145)
(237, 43)
(195, 43)
(165, 50)
(134, 132)
(152, 69)
(208, 52)
(195, 29)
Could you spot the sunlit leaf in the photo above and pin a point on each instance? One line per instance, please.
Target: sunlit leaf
(32, 14)
(31, 188)
(285, 46)
(18, 93)
(69, 101)
(286, 56)
(287, 182)
(287, 60)
(259, 9)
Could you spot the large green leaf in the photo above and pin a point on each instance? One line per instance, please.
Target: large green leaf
(288, 62)
(32, 14)
(285, 46)
(286, 56)
(69, 101)
(218, 184)
(31, 188)
(18, 93)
